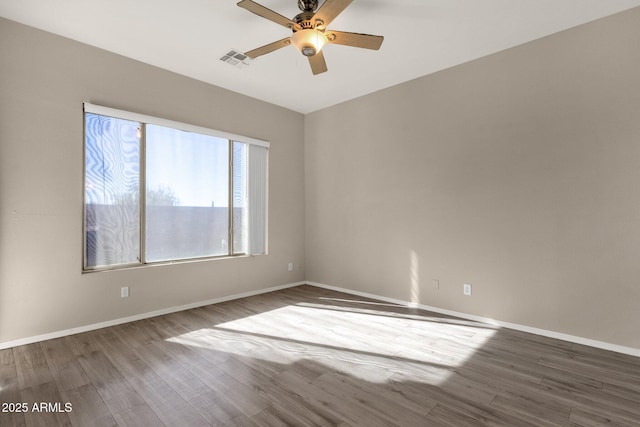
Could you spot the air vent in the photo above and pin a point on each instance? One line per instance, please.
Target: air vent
(236, 58)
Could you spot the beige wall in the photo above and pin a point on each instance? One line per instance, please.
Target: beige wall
(43, 81)
(518, 173)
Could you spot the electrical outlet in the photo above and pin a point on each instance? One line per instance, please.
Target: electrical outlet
(290, 266)
(124, 292)
(436, 284)
(466, 288)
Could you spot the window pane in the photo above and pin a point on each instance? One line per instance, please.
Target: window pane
(112, 177)
(240, 211)
(187, 191)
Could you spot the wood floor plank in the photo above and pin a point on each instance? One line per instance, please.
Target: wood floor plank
(340, 405)
(253, 374)
(246, 399)
(140, 333)
(483, 415)
(242, 421)
(614, 374)
(608, 357)
(9, 390)
(31, 366)
(64, 365)
(122, 356)
(380, 402)
(500, 371)
(40, 413)
(137, 416)
(6, 357)
(12, 419)
(443, 416)
(623, 393)
(234, 393)
(113, 387)
(448, 400)
(216, 410)
(459, 383)
(201, 361)
(595, 418)
(88, 407)
(276, 417)
(532, 410)
(165, 402)
(85, 343)
(306, 356)
(583, 398)
(301, 411)
(183, 381)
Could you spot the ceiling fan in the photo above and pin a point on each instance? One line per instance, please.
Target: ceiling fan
(310, 31)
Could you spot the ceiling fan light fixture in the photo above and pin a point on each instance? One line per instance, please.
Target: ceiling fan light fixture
(309, 41)
(309, 28)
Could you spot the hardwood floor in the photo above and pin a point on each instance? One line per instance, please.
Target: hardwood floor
(306, 356)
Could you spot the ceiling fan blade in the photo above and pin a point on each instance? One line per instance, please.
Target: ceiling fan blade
(268, 48)
(329, 10)
(366, 41)
(318, 64)
(267, 13)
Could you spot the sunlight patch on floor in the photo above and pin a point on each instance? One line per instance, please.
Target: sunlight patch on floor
(372, 345)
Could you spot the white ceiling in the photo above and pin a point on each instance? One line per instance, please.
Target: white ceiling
(421, 37)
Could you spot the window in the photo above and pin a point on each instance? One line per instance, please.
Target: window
(159, 191)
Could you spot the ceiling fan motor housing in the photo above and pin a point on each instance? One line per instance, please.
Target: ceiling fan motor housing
(304, 19)
(307, 5)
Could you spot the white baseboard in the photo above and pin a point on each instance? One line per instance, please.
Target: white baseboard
(94, 326)
(543, 332)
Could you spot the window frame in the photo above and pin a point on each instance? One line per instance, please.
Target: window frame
(144, 120)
